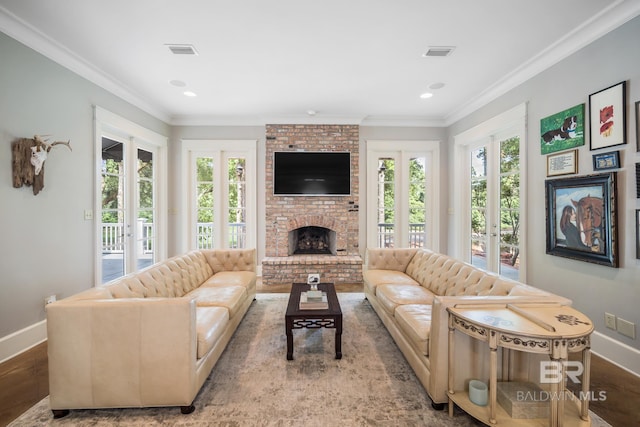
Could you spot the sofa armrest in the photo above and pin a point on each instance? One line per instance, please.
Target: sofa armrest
(439, 333)
(389, 258)
(134, 350)
(231, 259)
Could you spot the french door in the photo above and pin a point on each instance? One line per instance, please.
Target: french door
(490, 199)
(402, 193)
(129, 220)
(221, 194)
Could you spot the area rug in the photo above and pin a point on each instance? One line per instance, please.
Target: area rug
(254, 385)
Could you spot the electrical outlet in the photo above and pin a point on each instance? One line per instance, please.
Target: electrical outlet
(610, 321)
(48, 300)
(627, 328)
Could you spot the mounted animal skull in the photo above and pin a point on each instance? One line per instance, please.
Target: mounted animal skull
(40, 150)
(28, 157)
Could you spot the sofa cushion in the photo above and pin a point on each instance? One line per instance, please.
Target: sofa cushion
(415, 321)
(391, 296)
(210, 325)
(375, 278)
(230, 297)
(246, 279)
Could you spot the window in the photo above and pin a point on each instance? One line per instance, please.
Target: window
(402, 194)
(491, 162)
(221, 189)
(131, 230)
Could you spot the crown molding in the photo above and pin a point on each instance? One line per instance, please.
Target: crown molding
(36, 40)
(618, 13)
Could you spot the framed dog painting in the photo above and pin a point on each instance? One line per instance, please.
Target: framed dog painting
(562, 130)
(607, 116)
(581, 218)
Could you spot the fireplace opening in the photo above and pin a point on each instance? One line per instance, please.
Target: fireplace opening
(312, 241)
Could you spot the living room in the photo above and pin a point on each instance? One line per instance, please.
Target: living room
(50, 246)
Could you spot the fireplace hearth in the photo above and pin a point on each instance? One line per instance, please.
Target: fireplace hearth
(312, 241)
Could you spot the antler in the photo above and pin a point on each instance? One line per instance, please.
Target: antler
(39, 142)
(68, 144)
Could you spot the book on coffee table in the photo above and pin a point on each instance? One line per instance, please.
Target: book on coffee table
(313, 302)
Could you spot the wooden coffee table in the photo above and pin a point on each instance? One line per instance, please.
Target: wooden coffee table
(330, 318)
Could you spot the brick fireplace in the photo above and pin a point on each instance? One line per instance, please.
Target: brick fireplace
(312, 234)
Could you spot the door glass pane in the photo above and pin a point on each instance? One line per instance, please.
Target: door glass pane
(510, 207)
(204, 202)
(113, 214)
(386, 202)
(145, 244)
(237, 208)
(478, 207)
(417, 202)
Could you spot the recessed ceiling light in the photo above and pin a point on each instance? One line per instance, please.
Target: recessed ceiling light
(311, 112)
(189, 93)
(177, 83)
(426, 95)
(436, 86)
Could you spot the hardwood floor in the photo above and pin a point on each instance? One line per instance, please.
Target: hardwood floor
(24, 381)
(616, 392)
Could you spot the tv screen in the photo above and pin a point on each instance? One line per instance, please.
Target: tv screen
(311, 173)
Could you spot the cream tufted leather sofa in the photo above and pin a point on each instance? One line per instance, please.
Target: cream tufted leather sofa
(411, 289)
(150, 338)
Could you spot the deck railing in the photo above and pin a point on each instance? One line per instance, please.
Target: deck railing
(113, 236)
(386, 235)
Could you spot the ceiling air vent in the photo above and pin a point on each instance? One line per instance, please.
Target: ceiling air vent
(439, 51)
(182, 49)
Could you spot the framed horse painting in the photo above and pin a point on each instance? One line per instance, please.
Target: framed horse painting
(581, 217)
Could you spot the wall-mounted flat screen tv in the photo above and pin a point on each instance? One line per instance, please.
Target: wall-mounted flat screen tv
(311, 173)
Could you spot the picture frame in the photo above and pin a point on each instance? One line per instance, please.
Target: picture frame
(637, 125)
(637, 180)
(581, 218)
(562, 130)
(607, 117)
(637, 233)
(564, 163)
(604, 161)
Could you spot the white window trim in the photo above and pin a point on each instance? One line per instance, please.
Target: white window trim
(114, 126)
(514, 119)
(215, 148)
(376, 148)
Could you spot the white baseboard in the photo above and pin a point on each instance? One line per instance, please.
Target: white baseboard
(22, 340)
(620, 354)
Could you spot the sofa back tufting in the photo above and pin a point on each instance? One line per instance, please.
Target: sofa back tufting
(447, 276)
(230, 260)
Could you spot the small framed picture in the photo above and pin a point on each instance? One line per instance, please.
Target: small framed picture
(562, 130)
(562, 163)
(610, 160)
(607, 118)
(637, 125)
(637, 233)
(637, 180)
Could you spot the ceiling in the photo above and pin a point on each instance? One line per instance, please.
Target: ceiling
(332, 61)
